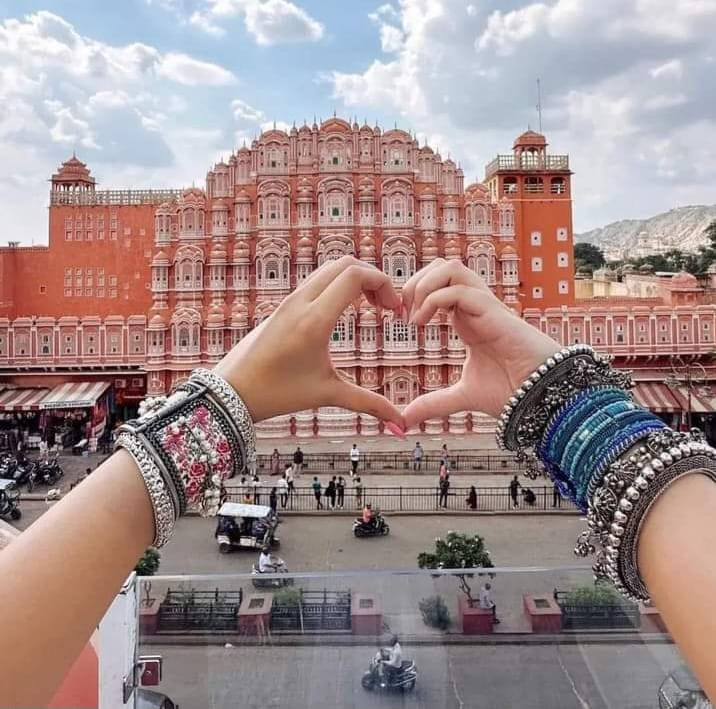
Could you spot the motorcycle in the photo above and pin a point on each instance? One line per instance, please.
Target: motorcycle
(377, 528)
(44, 473)
(9, 497)
(268, 579)
(403, 679)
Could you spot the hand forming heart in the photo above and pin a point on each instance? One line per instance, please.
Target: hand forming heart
(284, 365)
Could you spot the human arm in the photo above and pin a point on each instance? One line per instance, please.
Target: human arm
(675, 550)
(60, 575)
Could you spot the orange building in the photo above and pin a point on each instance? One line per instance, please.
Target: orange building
(136, 288)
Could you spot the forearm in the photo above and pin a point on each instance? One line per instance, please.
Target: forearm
(71, 562)
(676, 559)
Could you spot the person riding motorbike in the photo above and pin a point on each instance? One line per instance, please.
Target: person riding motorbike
(368, 516)
(394, 661)
(267, 564)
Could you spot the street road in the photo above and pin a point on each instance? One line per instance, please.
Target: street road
(451, 677)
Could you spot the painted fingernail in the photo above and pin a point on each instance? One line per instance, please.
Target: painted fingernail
(395, 430)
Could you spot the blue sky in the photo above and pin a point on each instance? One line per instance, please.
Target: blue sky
(151, 92)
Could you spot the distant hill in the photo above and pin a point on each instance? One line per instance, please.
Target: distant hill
(680, 228)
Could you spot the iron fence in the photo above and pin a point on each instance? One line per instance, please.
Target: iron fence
(414, 499)
(400, 462)
(313, 611)
(620, 614)
(186, 610)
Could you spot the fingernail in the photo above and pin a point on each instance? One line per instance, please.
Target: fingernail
(395, 430)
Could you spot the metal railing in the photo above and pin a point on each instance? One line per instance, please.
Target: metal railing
(400, 462)
(406, 499)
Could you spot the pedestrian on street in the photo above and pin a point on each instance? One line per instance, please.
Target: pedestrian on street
(444, 455)
(251, 463)
(556, 496)
(355, 458)
(359, 493)
(486, 602)
(273, 500)
(514, 487)
(417, 457)
(283, 490)
(472, 498)
(341, 491)
(331, 493)
(444, 470)
(444, 487)
(275, 462)
(288, 474)
(256, 489)
(316, 485)
(297, 462)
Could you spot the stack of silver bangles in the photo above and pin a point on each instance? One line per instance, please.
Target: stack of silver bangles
(558, 410)
(185, 445)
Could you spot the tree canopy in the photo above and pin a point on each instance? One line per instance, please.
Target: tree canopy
(588, 256)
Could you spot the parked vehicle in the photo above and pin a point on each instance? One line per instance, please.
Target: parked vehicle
(271, 579)
(681, 690)
(404, 679)
(377, 528)
(241, 526)
(9, 498)
(44, 473)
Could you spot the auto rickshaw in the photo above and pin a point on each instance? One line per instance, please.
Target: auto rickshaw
(242, 526)
(9, 497)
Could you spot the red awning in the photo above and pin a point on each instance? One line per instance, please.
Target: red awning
(74, 395)
(655, 396)
(22, 399)
(701, 401)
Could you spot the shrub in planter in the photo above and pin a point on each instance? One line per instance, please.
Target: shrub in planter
(595, 595)
(435, 612)
(287, 597)
(148, 565)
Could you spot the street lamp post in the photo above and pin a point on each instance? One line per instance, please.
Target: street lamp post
(683, 372)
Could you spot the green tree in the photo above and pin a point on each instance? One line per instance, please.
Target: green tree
(148, 565)
(458, 551)
(588, 256)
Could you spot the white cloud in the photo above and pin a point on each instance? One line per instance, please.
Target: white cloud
(269, 22)
(244, 111)
(193, 72)
(622, 82)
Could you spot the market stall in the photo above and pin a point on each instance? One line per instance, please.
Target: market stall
(20, 417)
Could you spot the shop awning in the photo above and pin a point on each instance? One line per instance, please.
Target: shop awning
(701, 403)
(656, 397)
(22, 399)
(74, 395)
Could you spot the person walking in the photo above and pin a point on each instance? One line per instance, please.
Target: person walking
(444, 488)
(251, 463)
(273, 500)
(288, 474)
(297, 462)
(556, 496)
(283, 490)
(275, 462)
(355, 458)
(316, 485)
(444, 470)
(486, 602)
(256, 489)
(472, 498)
(514, 487)
(341, 491)
(331, 493)
(417, 457)
(359, 493)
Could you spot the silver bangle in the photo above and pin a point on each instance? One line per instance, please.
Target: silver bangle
(234, 406)
(162, 506)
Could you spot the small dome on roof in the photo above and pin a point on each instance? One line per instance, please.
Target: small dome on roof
(367, 247)
(305, 246)
(157, 321)
(683, 279)
(530, 139)
(218, 253)
(160, 258)
(216, 316)
(368, 317)
(239, 315)
(452, 248)
(241, 250)
(508, 252)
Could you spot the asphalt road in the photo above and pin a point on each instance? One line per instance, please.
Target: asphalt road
(450, 677)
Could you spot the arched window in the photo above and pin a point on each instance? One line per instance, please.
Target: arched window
(533, 184)
(507, 221)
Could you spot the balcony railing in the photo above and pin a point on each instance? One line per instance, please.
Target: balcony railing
(526, 162)
(113, 197)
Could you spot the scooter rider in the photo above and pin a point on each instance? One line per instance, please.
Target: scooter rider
(393, 664)
(267, 565)
(368, 516)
